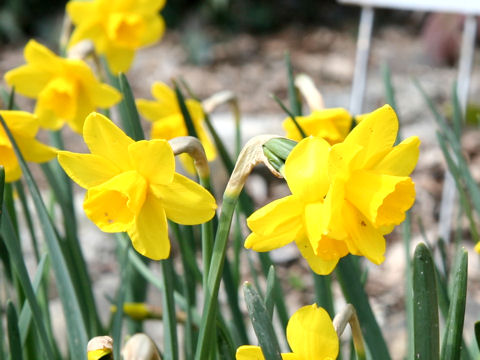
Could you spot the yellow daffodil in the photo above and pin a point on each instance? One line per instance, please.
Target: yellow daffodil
(310, 334)
(117, 27)
(168, 121)
(133, 187)
(331, 124)
(477, 247)
(65, 89)
(345, 197)
(24, 127)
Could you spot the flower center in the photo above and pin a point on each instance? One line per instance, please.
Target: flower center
(60, 96)
(125, 29)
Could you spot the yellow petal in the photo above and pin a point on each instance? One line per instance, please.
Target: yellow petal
(383, 199)
(163, 94)
(154, 160)
(149, 6)
(20, 122)
(104, 96)
(91, 30)
(34, 150)
(155, 28)
(367, 240)
(311, 335)
(47, 118)
(10, 163)
(81, 11)
(342, 158)
(477, 247)
(169, 127)
(317, 264)
(306, 169)
(376, 134)
(28, 80)
(113, 205)
(118, 59)
(185, 202)
(105, 139)
(188, 164)
(282, 216)
(401, 160)
(151, 110)
(39, 55)
(249, 352)
(149, 233)
(87, 170)
(98, 354)
(84, 108)
(60, 96)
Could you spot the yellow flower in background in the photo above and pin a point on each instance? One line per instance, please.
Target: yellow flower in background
(117, 27)
(66, 89)
(133, 187)
(331, 124)
(168, 123)
(310, 334)
(24, 128)
(345, 197)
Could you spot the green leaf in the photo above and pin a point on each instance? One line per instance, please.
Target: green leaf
(185, 113)
(169, 315)
(13, 333)
(323, 292)
(269, 293)
(477, 333)
(293, 96)
(128, 110)
(123, 250)
(348, 276)
(425, 310)
(262, 323)
(292, 116)
(77, 335)
(452, 339)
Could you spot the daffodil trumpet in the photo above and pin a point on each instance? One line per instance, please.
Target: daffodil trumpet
(250, 156)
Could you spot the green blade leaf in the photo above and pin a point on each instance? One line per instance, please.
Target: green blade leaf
(13, 333)
(269, 293)
(425, 311)
(261, 323)
(452, 339)
(348, 276)
(128, 110)
(294, 99)
(77, 334)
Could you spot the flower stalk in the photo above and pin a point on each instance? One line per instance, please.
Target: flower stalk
(349, 316)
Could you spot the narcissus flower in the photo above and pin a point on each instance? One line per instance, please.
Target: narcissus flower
(117, 27)
(310, 334)
(168, 123)
(66, 89)
(133, 187)
(345, 197)
(331, 124)
(24, 128)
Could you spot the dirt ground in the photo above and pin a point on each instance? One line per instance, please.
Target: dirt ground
(253, 67)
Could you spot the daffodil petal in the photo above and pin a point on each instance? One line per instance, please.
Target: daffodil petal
(105, 96)
(319, 265)
(249, 352)
(39, 55)
(10, 163)
(28, 80)
(87, 170)
(105, 139)
(306, 168)
(383, 199)
(282, 216)
(149, 233)
(154, 160)
(367, 240)
(185, 202)
(149, 109)
(80, 11)
(47, 118)
(311, 335)
(165, 95)
(34, 150)
(401, 160)
(156, 28)
(119, 59)
(113, 205)
(20, 122)
(376, 134)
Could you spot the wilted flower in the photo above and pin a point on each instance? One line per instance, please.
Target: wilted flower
(24, 128)
(167, 118)
(133, 187)
(117, 27)
(345, 197)
(331, 124)
(66, 89)
(310, 334)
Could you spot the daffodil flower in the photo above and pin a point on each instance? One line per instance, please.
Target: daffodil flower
(345, 197)
(133, 187)
(310, 334)
(331, 124)
(66, 89)
(117, 27)
(24, 128)
(168, 121)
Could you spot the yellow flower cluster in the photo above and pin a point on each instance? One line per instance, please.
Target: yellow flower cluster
(345, 197)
